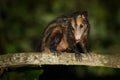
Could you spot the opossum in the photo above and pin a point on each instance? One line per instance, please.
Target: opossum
(66, 34)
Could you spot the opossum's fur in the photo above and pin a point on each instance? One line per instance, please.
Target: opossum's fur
(60, 34)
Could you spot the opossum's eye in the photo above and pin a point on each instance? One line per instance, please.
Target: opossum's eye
(81, 26)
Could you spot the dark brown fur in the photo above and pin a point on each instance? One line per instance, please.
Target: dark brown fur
(55, 36)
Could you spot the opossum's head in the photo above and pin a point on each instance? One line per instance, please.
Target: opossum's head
(79, 24)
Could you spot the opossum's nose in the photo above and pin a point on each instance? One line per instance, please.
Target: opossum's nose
(77, 38)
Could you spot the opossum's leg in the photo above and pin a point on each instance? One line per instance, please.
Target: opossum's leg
(84, 42)
(84, 45)
(79, 46)
(55, 40)
(77, 53)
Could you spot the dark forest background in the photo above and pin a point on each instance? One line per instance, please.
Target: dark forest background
(22, 21)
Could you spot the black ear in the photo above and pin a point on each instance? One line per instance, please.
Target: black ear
(79, 12)
(85, 13)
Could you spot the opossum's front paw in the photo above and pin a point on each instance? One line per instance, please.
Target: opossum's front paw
(78, 56)
(56, 53)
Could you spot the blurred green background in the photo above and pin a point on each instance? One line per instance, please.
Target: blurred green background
(22, 21)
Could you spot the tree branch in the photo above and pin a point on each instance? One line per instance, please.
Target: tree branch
(23, 59)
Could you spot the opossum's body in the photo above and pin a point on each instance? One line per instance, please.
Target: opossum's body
(66, 34)
(57, 36)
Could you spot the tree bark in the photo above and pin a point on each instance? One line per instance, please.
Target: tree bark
(92, 59)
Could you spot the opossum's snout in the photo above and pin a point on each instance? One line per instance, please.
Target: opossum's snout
(77, 40)
(78, 32)
(77, 36)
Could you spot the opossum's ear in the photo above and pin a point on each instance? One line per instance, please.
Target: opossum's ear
(84, 14)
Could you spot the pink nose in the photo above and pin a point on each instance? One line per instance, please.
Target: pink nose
(77, 39)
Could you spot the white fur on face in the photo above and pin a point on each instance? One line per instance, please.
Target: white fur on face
(77, 30)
